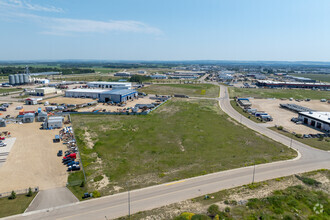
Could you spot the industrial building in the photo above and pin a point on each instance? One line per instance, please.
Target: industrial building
(42, 116)
(319, 120)
(302, 85)
(123, 74)
(28, 118)
(42, 91)
(110, 85)
(32, 101)
(53, 122)
(84, 93)
(158, 76)
(117, 96)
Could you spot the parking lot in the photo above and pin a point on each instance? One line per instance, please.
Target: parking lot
(283, 116)
(32, 160)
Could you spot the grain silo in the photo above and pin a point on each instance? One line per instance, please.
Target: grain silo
(26, 78)
(11, 79)
(21, 79)
(16, 79)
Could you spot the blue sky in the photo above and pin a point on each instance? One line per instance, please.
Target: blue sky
(282, 30)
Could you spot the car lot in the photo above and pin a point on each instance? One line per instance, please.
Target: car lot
(32, 160)
(283, 116)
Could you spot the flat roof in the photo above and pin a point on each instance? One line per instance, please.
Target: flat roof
(112, 83)
(87, 90)
(120, 92)
(321, 116)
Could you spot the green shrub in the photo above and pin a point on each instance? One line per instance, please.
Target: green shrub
(298, 135)
(213, 210)
(200, 217)
(96, 194)
(98, 178)
(29, 194)
(280, 128)
(12, 195)
(187, 215)
(309, 181)
(227, 209)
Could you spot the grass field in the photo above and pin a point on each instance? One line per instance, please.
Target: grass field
(181, 139)
(16, 206)
(313, 142)
(278, 93)
(6, 90)
(194, 90)
(321, 77)
(290, 197)
(240, 110)
(87, 77)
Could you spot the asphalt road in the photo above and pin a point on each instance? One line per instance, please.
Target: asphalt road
(151, 197)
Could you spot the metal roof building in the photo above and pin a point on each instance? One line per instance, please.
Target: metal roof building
(319, 120)
(117, 96)
(84, 93)
(110, 85)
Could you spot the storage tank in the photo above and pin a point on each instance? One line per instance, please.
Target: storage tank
(16, 79)
(26, 78)
(11, 79)
(21, 79)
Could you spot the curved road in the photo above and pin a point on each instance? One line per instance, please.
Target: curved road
(151, 197)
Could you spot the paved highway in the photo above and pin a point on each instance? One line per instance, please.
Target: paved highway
(151, 197)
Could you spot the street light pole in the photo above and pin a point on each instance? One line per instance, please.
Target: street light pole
(129, 201)
(254, 170)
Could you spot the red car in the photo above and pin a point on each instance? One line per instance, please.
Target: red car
(2, 138)
(73, 155)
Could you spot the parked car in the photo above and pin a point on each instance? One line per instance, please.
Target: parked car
(2, 138)
(60, 153)
(3, 144)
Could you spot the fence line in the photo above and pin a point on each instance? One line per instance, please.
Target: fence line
(19, 192)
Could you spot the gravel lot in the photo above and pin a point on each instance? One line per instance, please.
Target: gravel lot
(282, 116)
(32, 160)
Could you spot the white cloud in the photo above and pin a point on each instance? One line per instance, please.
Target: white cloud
(24, 4)
(69, 26)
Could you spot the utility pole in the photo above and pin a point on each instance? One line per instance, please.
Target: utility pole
(129, 201)
(254, 170)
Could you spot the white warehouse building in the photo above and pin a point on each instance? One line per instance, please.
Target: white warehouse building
(84, 93)
(319, 120)
(110, 85)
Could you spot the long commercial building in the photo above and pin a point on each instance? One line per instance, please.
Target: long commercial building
(274, 84)
(116, 95)
(110, 85)
(319, 120)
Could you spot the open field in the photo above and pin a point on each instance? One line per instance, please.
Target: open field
(323, 144)
(281, 198)
(181, 139)
(194, 90)
(283, 116)
(278, 93)
(32, 160)
(87, 77)
(15, 206)
(6, 90)
(321, 77)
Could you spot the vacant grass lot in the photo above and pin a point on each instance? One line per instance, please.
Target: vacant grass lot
(15, 206)
(278, 93)
(198, 90)
(321, 77)
(323, 144)
(181, 139)
(6, 90)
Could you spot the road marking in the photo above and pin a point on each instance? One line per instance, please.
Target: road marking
(169, 184)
